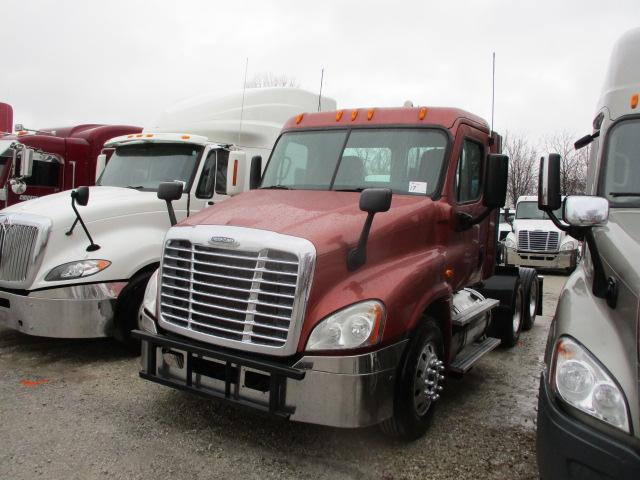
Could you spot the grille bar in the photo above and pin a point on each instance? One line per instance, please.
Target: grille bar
(17, 245)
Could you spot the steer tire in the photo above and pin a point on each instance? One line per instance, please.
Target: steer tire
(127, 310)
(530, 293)
(410, 421)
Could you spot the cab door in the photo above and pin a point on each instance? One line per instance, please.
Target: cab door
(211, 184)
(466, 187)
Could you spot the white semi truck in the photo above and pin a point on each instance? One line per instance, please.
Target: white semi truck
(536, 242)
(76, 266)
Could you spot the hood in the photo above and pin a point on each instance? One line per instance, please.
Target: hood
(330, 220)
(619, 245)
(104, 203)
(524, 224)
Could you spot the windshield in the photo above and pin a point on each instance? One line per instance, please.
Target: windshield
(145, 166)
(530, 211)
(621, 175)
(408, 161)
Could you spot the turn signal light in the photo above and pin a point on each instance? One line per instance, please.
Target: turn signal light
(634, 100)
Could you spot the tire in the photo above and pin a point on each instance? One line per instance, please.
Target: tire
(127, 309)
(414, 401)
(509, 320)
(529, 282)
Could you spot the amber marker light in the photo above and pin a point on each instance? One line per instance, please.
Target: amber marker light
(448, 273)
(339, 114)
(185, 137)
(422, 113)
(299, 118)
(129, 136)
(149, 135)
(235, 172)
(634, 100)
(354, 114)
(139, 135)
(370, 114)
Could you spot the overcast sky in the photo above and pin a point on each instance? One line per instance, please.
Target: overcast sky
(67, 62)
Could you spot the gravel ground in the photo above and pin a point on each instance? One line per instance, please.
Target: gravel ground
(77, 409)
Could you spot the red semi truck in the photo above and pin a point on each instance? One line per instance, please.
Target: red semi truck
(40, 162)
(357, 274)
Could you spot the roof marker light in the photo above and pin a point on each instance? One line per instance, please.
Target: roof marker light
(339, 114)
(185, 137)
(370, 114)
(149, 135)
(138, 135)
(422, 113)
(634, 100)
(130, 136)
(299, 118)
(354, 114)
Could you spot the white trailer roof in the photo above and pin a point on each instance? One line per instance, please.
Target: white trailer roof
(217, 117)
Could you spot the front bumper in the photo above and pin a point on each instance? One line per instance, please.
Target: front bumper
(551, 260)
(569, 449)
(338, 391)
(80, 311)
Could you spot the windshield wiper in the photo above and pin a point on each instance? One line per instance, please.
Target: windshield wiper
(355, 189)
(135, 187)
(624, 194)
(275, 187)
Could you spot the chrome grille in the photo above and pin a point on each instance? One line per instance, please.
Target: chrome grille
(237, 295)
(538, 241)
(17, 246)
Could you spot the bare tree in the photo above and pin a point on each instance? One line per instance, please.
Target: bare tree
(268, 79)
(522, 167)
(573, 163)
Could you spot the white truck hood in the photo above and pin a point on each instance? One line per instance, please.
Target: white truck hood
(524, 224)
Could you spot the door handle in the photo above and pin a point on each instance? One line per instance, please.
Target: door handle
(210, 202)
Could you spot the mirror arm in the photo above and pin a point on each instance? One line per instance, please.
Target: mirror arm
(172, 213)
(92, 246)
(603, 287)
(466, 221)
(358, 256)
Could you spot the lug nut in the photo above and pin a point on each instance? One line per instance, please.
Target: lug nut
(435, 397)
(439, 388)
(440, 378)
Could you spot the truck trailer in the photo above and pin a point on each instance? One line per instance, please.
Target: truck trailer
(75, 264)
(34, 163)
(348, 285)
(589, 399)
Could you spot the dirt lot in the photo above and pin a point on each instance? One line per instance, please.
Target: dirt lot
(71, 409)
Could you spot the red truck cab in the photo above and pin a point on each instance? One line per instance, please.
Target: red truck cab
(344, 288)
(61, 158)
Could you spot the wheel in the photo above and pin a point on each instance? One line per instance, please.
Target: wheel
(529, 282)
(127, 309)
(510, 319)
(418, 384)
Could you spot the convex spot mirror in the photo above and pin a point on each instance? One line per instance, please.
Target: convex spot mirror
(549, 197)
(170, 191)
(375, 200)
(495, 182)
(236, 169)
(81, 195)
(255, 175)
(585, 211)
(26, 161)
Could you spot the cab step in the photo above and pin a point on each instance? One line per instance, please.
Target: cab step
(471, 354)
(467, 316)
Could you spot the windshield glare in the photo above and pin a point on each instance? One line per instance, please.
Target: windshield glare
(408, 161)
(621, 173)
(145, 166)
(530, 211)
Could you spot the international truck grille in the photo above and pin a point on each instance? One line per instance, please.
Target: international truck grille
(538, 241)
(17, 245)
(229, 294)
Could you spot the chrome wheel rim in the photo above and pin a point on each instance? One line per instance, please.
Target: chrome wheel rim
(533, 298)
(517, 312)
(428, 377)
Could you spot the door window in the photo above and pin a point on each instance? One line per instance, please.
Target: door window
(44, 174)
(214, 174)
(469, 173)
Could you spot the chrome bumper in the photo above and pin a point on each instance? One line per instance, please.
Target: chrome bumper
(338, 391)
(81, 311)
(559, 261)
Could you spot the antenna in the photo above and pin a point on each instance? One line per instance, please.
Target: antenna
(493, 90)
(244, 89)
(320, 94)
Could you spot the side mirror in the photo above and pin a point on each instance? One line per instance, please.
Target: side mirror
(495, 181)
(549, 197)
(375, 200)
(26, 161)
(18, 127)
(585, 211)
(81, 196)
(236, 172)
(170, 191)
(255, 175)
(101, 162)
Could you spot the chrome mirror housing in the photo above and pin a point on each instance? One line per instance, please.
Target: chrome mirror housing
(586, 211)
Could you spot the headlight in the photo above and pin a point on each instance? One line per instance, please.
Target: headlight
(358, 325)
(79, 269)
(583, 383)
(569, 245)
(151, 294)
(509, 243)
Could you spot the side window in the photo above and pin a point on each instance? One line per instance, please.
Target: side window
(44, 174)
(207, 179)
(221, 172)
(469, 173)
